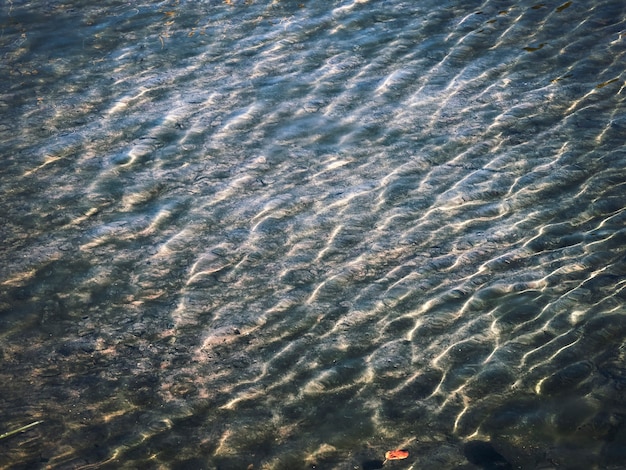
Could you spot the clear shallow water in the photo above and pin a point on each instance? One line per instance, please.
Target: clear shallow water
(299, 234)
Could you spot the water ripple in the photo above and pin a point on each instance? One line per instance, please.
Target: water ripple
(286, 234)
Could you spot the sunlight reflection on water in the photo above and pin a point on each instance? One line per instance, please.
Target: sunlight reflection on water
(293, 235)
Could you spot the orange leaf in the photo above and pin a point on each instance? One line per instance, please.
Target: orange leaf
(398, 454)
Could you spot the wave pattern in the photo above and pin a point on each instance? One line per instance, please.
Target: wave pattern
(295, 235)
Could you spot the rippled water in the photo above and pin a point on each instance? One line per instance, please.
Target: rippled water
(297, 234)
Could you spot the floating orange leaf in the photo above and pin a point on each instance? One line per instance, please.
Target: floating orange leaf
(398, 454)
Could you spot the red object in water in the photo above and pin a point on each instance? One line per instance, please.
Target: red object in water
(398, 454)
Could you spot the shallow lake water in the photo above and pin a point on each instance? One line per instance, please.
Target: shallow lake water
(296, 234)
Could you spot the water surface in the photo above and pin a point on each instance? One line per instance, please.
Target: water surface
(284, 235)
